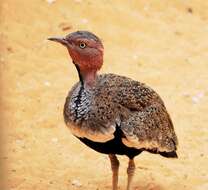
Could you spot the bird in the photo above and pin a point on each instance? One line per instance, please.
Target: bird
(113, 114)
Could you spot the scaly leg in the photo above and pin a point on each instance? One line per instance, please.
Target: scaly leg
(130, 172)
(114, 167)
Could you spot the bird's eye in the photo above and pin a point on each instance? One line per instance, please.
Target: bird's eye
(82, 45)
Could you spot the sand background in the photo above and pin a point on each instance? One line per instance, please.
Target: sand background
(161, 43)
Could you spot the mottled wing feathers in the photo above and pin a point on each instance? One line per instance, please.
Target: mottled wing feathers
(144, 118)
(149, 129)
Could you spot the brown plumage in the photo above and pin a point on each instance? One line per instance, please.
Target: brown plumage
(114, 114)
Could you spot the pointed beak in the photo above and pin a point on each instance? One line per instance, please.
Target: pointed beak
(61, 40)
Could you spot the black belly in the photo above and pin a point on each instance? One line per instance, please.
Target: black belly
(114, 146)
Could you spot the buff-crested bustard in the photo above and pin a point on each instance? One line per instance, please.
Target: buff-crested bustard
(114, 114)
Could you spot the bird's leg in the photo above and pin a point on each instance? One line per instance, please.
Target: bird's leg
(114, 167)
(130, 172)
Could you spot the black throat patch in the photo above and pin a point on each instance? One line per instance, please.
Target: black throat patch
(79, 73)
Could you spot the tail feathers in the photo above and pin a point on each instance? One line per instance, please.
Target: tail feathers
(172, 154)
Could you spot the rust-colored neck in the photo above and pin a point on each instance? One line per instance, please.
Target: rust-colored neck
(89, 78)
(86, 77)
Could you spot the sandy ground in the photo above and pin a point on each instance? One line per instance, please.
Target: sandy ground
(162, 43)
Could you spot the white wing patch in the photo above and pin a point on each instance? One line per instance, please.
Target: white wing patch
(134, 142)
(101, 135)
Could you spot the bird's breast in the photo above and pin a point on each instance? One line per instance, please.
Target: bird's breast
(78, 105)
(84, 118)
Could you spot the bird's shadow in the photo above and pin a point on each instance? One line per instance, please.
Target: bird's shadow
(139, 185)
(144, 185)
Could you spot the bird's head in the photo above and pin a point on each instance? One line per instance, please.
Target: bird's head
(85, 49)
